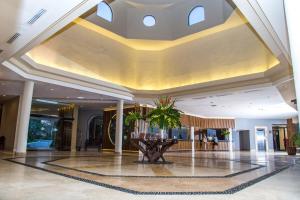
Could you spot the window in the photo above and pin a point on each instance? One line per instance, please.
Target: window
(104, 11)
(149, 20)
(196, 15)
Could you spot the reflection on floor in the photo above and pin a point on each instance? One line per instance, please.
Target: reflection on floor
(207, 173)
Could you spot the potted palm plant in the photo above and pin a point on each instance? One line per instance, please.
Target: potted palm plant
(292, 150)
(226, 134)
(165, 115)
(134, 117)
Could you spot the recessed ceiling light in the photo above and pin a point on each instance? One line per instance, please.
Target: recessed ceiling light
(149, 20)
(80, 97)
(51, 89)
(68, 97)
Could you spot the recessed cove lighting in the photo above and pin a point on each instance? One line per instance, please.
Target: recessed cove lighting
(46, 101)
(149, 20)
(80, 97)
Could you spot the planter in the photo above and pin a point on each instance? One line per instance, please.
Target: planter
(291, 151)
(153, 149)
(162, 133)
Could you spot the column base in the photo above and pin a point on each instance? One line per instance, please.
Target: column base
(118, 153)
(19, 154)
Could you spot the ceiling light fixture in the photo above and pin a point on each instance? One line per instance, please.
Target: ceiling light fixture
(46, 101)
(80, 97)
(149, 20)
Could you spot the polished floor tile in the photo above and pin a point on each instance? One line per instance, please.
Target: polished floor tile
(215, 173)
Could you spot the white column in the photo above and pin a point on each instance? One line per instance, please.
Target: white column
(74, 129)
(192, 131)
(119, 127)
(230, 139)
(24, 117)
(292, 18)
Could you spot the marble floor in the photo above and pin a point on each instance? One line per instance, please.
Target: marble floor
(90, 175)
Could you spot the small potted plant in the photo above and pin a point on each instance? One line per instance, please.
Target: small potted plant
(226, 134)
(292, 149)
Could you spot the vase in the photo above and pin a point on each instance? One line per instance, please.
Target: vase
(291, 150)
(162, 133)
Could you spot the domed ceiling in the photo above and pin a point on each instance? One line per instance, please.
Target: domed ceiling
(170, 55)
(171, 17)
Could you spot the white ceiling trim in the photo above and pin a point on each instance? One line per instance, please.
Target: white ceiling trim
(252, 10)
(66, 82)
(66, 19)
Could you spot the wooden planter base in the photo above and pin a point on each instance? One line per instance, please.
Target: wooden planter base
(154, 149)
(291, 151)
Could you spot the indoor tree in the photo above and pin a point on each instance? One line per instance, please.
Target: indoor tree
(165, 115)
(134, 117)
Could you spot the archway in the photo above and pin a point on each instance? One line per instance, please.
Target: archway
(94, 137)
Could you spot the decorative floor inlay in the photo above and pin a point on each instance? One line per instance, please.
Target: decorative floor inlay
(201, 175)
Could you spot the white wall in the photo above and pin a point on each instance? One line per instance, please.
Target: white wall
(274, 11)
(250, 124)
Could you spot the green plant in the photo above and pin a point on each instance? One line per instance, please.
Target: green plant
(165, 115)
(296, 139)
(225, 132)
(132, 117)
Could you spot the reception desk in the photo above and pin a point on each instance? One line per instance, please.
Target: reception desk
(186, 145)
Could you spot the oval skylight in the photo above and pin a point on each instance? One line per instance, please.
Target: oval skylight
(196, 15)
(149, 20)
(104, 11)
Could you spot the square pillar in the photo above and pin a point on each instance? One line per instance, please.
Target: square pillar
(74, 129)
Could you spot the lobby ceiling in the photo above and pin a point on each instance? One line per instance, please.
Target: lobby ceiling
(228, 50)
(171, 17)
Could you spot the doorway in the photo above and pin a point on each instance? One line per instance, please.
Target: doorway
(279, 138)
(261, 139)
(244, 136)
(95, 132)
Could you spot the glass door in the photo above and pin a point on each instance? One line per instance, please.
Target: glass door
(261, 139)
